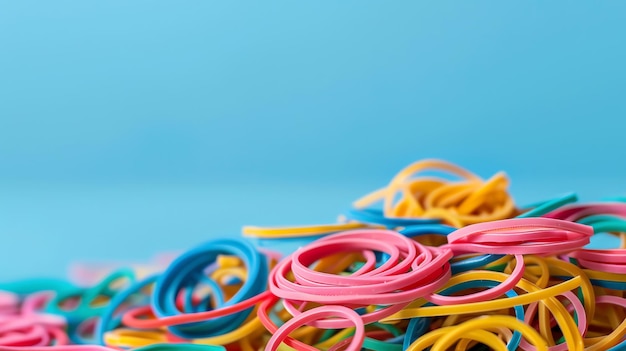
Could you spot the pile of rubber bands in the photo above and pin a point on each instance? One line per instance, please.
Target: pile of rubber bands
(439, 259)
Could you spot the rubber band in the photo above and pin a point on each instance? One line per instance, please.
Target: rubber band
(106, 321)
(546, 332)
(433, 260)
(534, 294)
(544, 207)
(465, 330)
(184, 272)
(30, 286)
(412, 271)
(314, 314)
(313, 230)
(377, 217)
(499, 290)
(85, 308)
(434, 197)
(521, 236)
(519, 311)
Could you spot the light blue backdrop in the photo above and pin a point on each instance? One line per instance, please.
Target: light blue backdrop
(132, 127)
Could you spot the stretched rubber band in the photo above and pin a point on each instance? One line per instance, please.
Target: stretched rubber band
(521, 236)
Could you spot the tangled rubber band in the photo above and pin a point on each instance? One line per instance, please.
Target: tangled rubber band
(411, 271)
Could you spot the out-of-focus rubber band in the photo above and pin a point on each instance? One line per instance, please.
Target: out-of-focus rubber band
(575, 212)
(417, 230)
(129, 338)
(30, 286)
(469, 201)
(313, 230)
(541, 208)
(377, 217)
(106, 321)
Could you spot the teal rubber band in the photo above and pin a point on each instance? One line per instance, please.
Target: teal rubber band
(601, 218)
(30, 286)
(378, 345)
(85, 309)
(541, 208)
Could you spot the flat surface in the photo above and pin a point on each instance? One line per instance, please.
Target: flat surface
(45, 229)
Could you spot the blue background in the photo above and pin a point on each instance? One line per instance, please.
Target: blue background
(132, 127)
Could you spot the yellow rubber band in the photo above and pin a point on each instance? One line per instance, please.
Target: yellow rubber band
(300, 231)
(513, 323)
(534, 294)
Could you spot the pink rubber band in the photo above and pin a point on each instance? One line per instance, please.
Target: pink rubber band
(58, 348)
(8, 302)
(411, 271)
(575, 212)
(312, 315)
(521, 236)
(405, 281)
(508, 284)
(609, 261)
(29, 327)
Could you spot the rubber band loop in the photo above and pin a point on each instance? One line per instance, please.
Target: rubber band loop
(106, 321)
(290, 232)
(499, 290)
(544, 207)
(314, 314)
(412, 271)
(464, 330)
(183, 273)
(469, 201)
(521, 236)
(377, 217)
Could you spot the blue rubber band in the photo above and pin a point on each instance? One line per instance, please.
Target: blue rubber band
(425, 229)
(183, 273)
(107, 320)
(416, 328)
(619, 347)
(471, 263)
(375, 216)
